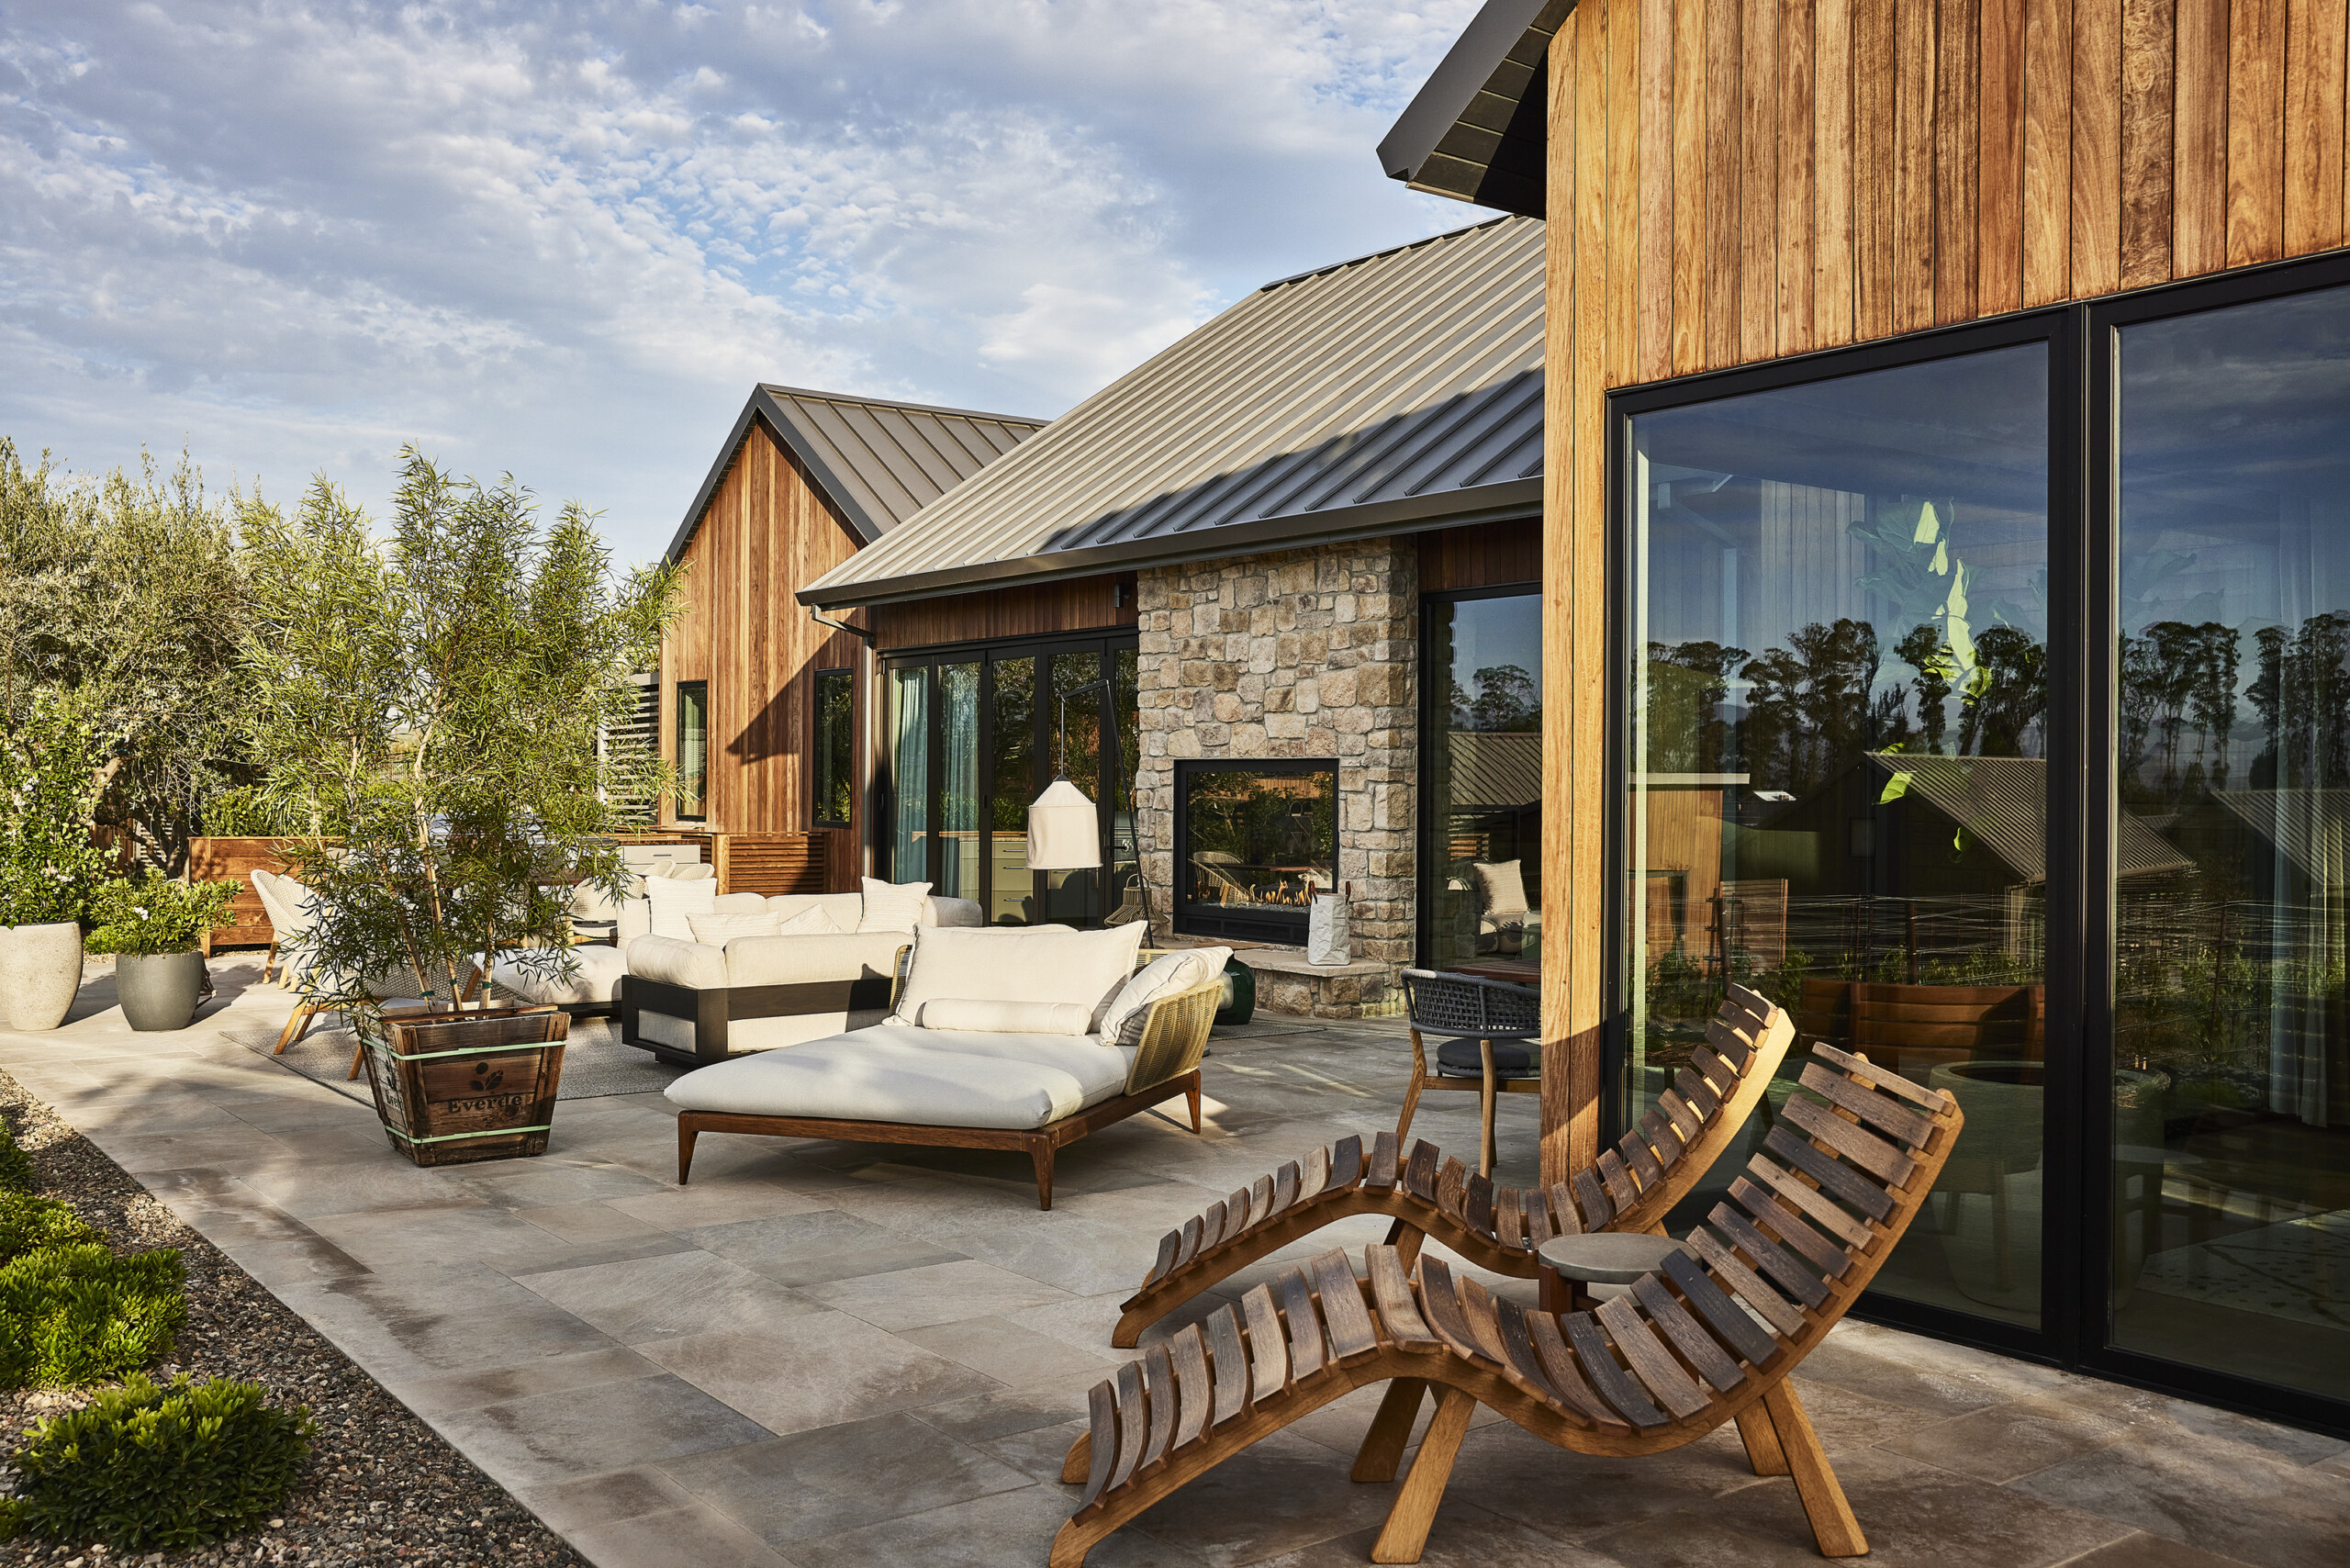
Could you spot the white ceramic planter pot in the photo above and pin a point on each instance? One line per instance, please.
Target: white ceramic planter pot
(41, 970)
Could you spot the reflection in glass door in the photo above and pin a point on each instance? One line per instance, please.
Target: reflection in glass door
(1836, 641)
(958, 781)
(1481, 860)
(2230, 1131)
(1012, 891)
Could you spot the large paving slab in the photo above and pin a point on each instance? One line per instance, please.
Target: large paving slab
(825, 1354)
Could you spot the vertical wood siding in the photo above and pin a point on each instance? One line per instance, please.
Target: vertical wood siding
(1732, 181)
(765, 533)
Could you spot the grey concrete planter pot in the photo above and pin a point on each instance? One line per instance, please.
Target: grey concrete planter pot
(41, 970)
(159, 990)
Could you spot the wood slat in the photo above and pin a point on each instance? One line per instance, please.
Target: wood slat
(1688, 186)
(1809, 1201)
(1650, 1363)
(1873, 238)
(1169, 1245)
(1719, 1075)
(1268, 1357)
(1236, 1214)
(1864, 1148)
(1686, 1121)
(1381, 1176)
(1260, 1202)
(1518, 1354)
(1729, 1322)
(1440, 1310)
(1346, 1163)
(1724, 53)
(1823, 1255)
(1932, 1100)
(2096, 146)
(1477, 1311)
(1776, 1310)
(1641, 1160)
(1477, 1205)
(1189, 1246)
(2314, 70)
(1835, 1178)
(1343, 1311)
(1618, 1179)
(1158, 1382)
(1728, 1045)
(1653, 185)
(2256, 33)
(1660, 1134)
(1193, 1388)
(1597, 1207)
(1958, 158)
(1560, 1363)
(1913, 165)
(1315, 1175)
(1305, 1345)
(1758, 190)
(1699, 1095)
(1598, 1366)
(1102, 1411)
(1231, 1364)
(1509, 1219)
(1565, 1219)
(1285, 1187)
(1210, 1225)
(1419, 1172)
(1771, 1259)
(1538, 1219)
(1451, 1186)
(2146, 137)
(1393, 1290)
(1999, 277)
(1134, 1429)
(1870, 1106)
(1688, 1336)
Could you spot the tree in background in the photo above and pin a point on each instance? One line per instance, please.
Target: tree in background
(430, 707)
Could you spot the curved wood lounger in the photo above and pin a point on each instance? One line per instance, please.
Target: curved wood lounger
(1709, 1338)
(1632, 1188)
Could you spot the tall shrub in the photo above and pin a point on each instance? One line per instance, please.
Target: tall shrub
(51, 759)
(428, 706)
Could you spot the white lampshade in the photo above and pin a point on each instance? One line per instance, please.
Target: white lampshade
(1064, 830)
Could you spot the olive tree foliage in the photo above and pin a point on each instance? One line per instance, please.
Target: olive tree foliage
(428, 706)
(122, 592)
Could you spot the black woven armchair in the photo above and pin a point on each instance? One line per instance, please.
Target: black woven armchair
(1488, 1036)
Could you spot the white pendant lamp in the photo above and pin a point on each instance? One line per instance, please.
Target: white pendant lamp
(1064, 830)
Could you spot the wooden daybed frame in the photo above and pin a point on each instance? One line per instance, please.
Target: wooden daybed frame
(1174, 1037)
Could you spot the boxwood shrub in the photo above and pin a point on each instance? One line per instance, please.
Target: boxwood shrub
(78, 1313)
(144, 1468)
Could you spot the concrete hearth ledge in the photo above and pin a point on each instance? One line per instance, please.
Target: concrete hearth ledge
(828, 1355)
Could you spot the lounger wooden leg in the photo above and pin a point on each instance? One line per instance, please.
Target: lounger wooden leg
(1040, 1154)
(1391, 1430)
(1191, 1093)
(1411, 1104)
(1485, 1107)
(1762, 1449)
(358, 1060)
(1405, 1534)
(687, 1133)
(296, 1028)
(268, 962)
(1832, 1524)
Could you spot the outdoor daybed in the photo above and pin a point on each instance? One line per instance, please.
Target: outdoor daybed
(1018, 1039)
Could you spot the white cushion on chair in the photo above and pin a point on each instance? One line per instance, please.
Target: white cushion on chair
(725, 925)
(893, 1073)
(672, 962)
(673, 900)
(892, 906)
(843, 910)
(1501, 887)
(1020, 963)
(1166, 975)
(961, 1015)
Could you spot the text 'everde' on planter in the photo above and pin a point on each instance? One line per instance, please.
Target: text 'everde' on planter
(454, 1088)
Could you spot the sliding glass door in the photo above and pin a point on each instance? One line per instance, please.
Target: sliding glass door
(976, 734)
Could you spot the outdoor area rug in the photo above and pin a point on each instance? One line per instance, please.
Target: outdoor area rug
(2298, 1270)
(595, 1063)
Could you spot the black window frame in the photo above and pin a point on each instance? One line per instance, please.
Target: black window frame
(817, 747)
(2083, 338)
(677, 740)
(1429, 861)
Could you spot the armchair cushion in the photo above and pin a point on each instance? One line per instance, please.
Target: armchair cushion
(672, 962)
(797, 961)
(843, 910)
(1163, 976)
(1501, 887)
(673, 900)
(892, 906)
(1020, 963)
(927, 1077)
(724, 927)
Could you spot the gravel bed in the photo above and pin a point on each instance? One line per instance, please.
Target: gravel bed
(380, 1488)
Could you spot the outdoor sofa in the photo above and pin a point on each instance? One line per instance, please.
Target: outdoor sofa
(1024, 1039)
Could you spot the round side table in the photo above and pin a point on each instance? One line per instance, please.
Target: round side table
(1610, 1259)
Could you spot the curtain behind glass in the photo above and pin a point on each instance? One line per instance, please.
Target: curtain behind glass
(959, 801)
(1012, 773)
(909, 774)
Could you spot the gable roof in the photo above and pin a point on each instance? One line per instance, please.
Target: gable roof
(1395, 392)
(2003, 802)
(1477, 127)
(878, 461)
(2310, 827)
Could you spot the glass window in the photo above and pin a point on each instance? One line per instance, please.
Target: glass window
(1011, 895)
(1837, 792)
(1075, 896)
(1483, 856)
(2230, 1175)
(958, 783)
(835, 749)
(693, 750)
(909, 774)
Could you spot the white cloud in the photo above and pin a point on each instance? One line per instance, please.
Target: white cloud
(565, 240)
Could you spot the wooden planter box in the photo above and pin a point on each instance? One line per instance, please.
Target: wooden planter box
(211, 859)
(454, 1088)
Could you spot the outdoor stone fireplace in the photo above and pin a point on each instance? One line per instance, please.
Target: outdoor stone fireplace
(1297, 656)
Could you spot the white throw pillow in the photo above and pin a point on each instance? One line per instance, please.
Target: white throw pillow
(1018, 964)
(807, 923)
(1500, 890)
(970, 1017)
(717, 930)
(672, 900)
(1166, 975)
(892, 906)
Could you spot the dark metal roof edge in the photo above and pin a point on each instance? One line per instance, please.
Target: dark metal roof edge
(1480, 51)
(765, 403)
(1389, 251)
(1408, 514)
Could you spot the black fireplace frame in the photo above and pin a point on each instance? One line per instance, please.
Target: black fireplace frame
(1262, 922)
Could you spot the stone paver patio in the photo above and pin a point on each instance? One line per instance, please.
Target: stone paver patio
(826, 1355)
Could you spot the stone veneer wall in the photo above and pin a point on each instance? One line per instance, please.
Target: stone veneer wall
(1299, 654)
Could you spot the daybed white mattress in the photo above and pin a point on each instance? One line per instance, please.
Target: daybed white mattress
(928, 1077)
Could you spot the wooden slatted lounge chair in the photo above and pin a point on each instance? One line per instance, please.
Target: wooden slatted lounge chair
(1710, 1338)
(1632, 1188)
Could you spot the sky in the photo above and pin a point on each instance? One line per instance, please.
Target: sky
(565, 241)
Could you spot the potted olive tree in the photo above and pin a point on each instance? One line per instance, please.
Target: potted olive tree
(51, 762)
(156, 929)
(430, 705)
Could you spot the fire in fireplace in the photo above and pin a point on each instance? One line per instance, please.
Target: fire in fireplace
(1256, 840)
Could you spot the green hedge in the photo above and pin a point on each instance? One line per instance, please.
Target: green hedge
(145, 1468)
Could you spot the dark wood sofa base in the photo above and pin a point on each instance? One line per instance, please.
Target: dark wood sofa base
(712, 1010)
(1040, 1142)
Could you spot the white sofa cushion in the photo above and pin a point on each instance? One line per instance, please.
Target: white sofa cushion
(938, 911)
(797, 961)
(673, 900)
(597, 978)
(672, 962)
(892, 906)
(893, 1073)
(807, 923)
(961, 1014)
(1164, 975)
(1020, 963)
(719, 929)
(843, 910)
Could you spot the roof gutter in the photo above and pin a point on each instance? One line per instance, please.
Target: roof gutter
(1510, 499)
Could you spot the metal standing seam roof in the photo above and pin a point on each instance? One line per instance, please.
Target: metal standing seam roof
(2003, 801)
(878, 461)
(2310, 827)
(1477, 129)
(1398, 391)
(1495, 768)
